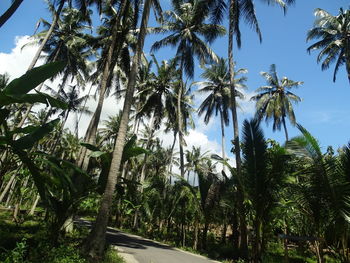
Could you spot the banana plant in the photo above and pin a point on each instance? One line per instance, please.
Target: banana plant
(17, 91)
(60, 184)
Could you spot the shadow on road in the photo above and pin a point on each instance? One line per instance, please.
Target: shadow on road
(118, 238)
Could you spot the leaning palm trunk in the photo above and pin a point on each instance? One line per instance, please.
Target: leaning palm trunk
(47, 36)
(90, 136)
(32, 209)
(7, 187)
(31, 66)
(95, 242)
(9, 12)
(240, 195)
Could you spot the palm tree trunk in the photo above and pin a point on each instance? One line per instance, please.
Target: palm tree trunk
(32, 209)
(205, 234)
(47, 36)
(196, 228)
(9, 12)
(348, 66)
(25, 116)
(257, 241)
(285, 127)
(240, 194)
(222, 139)
(180, 123)
(7, 187)
(90, 136)
(143, 170)
(59, 135)
(95, 242)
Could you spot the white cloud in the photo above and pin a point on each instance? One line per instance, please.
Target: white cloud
(247, 107)
(17, 61)
(16, 64)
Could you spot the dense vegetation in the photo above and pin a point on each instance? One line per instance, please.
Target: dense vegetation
(278, 203)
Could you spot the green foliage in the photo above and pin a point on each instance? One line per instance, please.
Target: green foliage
(65, 254)
(16, 91)
(17, 255)
(105, 157)
(112, 256)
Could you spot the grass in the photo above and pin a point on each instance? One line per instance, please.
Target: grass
(29, 243)
(113, 257)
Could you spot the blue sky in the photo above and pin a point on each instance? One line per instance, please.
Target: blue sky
(324, 110)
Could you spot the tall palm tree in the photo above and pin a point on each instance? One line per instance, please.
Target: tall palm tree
(238, 10)
(274, 101)
(95, 242)
(68, 42)
(113, 41)
(333, 39)
(159, 98)
(217, 84)
(189, 32)
(80, 5)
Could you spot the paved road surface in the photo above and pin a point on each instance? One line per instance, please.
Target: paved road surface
(139, 250)
(136, 249)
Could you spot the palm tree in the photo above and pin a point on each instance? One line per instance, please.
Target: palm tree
(186, 25)
(238, 10)
(114, 40)
(95, 242)
(159, 91)
(68, 42)
(80, 5)
(323, 193)
(263, 174)
(218, 100)
(274, 101)
(333, 39)
(194, 158)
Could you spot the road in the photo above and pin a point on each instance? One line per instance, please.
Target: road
(136, 249)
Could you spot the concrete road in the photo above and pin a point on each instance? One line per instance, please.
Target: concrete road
(136, 249)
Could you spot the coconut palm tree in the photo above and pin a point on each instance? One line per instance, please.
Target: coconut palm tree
(114, 44)
(68, 42)
(159, 90)
(95, 242)
(333, 39)
(263, 176)
(80, 5)
(323, 193)
(217, 84)
(274, 101)
(238, 11)
(189, 32)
